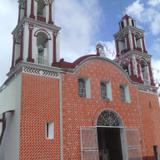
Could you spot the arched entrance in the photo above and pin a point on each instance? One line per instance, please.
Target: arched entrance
(110, 132)
(109, 139)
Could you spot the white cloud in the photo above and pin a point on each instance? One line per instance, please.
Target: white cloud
(155, 48)
(154, 2)
(155, 25)
(79, 20)
(149, 15)
(8, 19)
(135, 9)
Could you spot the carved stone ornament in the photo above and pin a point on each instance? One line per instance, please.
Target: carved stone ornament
(40, 72)
(101, 49)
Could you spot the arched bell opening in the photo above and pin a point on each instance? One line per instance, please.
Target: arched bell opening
(41, 10)
(42, 48)
(22, 7)
(144, 71)
(126, 68)
(111, 139)
(18, 44)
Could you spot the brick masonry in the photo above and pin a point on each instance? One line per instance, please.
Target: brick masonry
(40, 103)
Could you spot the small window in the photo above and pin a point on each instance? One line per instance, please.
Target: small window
(122, 24)
(84, 87)
(106, 91)
(49, 130)
(132, 22)
(124, 93)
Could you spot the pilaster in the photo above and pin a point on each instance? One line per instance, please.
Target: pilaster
(54, 48)
(32, 10)
(30, 59)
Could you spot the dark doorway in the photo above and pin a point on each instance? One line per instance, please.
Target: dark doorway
(109, 143)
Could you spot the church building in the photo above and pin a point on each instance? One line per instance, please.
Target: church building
(92, 109)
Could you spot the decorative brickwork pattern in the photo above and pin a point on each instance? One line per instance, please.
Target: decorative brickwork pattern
(40, 104)
(40, 72)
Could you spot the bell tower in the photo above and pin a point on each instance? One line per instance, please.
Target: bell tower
(35, 38)
(131, 52)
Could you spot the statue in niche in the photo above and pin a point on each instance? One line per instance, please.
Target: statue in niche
(101, 49)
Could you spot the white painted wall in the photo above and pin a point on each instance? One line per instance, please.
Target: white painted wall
(11, 96)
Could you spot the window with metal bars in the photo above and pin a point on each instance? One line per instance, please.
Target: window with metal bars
(82, 87)
(124, 93)
(106, 90)
(103, 90)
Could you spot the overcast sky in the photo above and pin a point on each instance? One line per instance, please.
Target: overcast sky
(84, 23)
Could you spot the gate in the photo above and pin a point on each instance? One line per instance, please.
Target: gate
(133, 144)
(89, 143)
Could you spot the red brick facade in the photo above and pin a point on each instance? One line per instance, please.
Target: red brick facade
(47, 90)
(40, 103)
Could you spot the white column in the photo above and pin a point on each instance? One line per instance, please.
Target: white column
(148, 75)
(125, 22)
(28, 8)
(47, 13)
(58, 47)
(129, 69)
(141, 43)
(125, 43)
(25, 42)
(53, 10)
(135, 41)
(141, 72)
(130, 40)
(35, 8)
(134, 62)
(34, 46)
(50, 50)
(130, 22)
